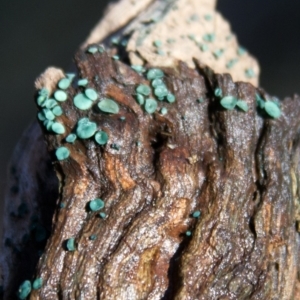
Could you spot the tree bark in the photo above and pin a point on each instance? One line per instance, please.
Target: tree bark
(239, 169)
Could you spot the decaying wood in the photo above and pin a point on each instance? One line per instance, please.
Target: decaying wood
(240, 169)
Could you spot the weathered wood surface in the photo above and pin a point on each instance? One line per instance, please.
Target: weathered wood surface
(241, 170)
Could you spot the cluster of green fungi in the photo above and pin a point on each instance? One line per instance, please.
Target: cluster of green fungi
(270, 107)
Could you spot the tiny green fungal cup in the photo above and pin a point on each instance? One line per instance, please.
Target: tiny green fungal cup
(150, 105)
(242, 105)
(85, 128)
(229, 102)
(64, 83)
(91, 94)
(62, 153)
(143, 90)
(108, 106)
(82, 102)
(101, 137)
(60, 96)
(96, 204)
(71, 138)
(154, 74)
(24, 289)
(37, 283)
(272, 109)
(70, 244)
(58, 128)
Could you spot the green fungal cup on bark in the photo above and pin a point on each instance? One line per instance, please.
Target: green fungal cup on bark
(64, 83)
(101, 137)
(60, 96)
(85, 128)
(140, 99)
(108, 106)
(70, 244)
(272, 109)
(96, 204)
(82, 102)
(154, 74)
(82, 82)
(58, 128)
(62, 153)
(228, 102)
(241, 104)
(91, 94)
(150, 105)
(57, 111)
(37, 283)
(143, 90)
(71, 138)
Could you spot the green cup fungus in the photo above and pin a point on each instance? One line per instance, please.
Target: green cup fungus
(70, 244)
(163, 111)
(138, 68)
(91, 94)
(82, 82)
(218, 92)
(143, 90)
(231, 63)
(161, 91)
(108, 106)
(101, 137)
(37, 283)
(157, 82)
(57, 111)
(249, 73)
(44, 92)
(71, 76)
(140, 99)
(188, 233)
(40, 100)
(62, 153)
(41, 116)
(92, 49)
(93, 237)
(48, 124)
(241, 104)
(196, 214)
(228, 102)
(50, 103)
(157, 43)
(209, 37)
(64, 83)
(49, 115)
(150, 105)
(272, 109)
(154, 74)
(82, 102)
(102, 215)
(71, 138)
(218, 53)
(24, 289)
(171, 98)
(96, 204)
(58, 128)
(259, 101)
(60, 95)
(85, 128)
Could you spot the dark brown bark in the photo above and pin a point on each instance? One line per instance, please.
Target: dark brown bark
(239, 169)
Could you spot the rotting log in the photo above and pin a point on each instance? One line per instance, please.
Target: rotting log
(240, 169)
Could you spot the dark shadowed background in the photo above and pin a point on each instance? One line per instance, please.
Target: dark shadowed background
(35, 34)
